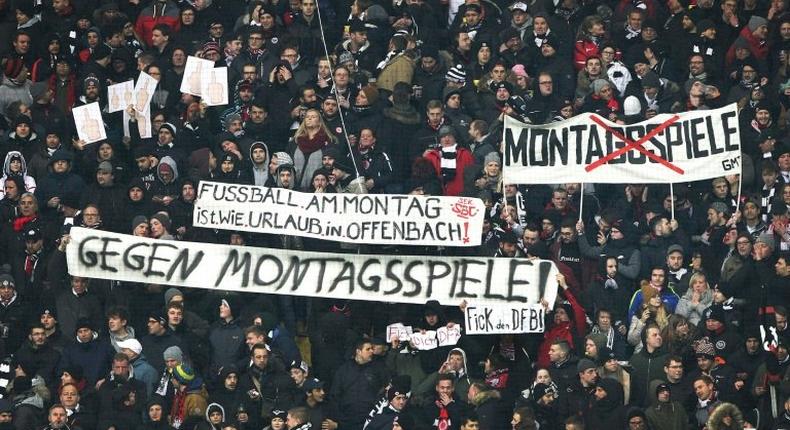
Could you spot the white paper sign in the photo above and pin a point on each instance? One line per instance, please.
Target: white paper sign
(504, 319)
(448, 336)
(398, 331)
(143, 124)
(120, 96)
(144, 92)
(89, 123)
(424, 341)
(193, 75)
(214, 86)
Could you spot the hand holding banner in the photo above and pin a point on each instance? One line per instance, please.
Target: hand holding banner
(448, 336)
(398, 331)
(424, 341)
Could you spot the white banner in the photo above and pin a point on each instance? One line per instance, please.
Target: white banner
(686, 147)
(355, 218)
(503, 319)
(382, 278)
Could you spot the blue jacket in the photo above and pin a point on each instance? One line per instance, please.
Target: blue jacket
(668, 297)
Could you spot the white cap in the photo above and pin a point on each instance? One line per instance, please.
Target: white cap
(631, 106)
(132, 344)
(519, 6)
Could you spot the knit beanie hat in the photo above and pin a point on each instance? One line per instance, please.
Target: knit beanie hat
(599, 84)
(283, 158)
(755, 22)
(492, 156)
(173, 353)
(768, 239)
(705, 25)
(519, 70)
(162, 218)
(172, 292)
(704, 348)
(399, 385)
(631, 106)
(139, 219)
(715, 312)
(170, 127)
(183, 374)
(456, 74)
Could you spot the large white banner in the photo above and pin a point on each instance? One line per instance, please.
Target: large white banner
(686, 147)
(355, 218)
(384, 278)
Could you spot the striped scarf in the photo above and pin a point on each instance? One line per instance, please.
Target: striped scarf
(448, 163)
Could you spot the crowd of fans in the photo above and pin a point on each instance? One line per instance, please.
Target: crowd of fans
(672, 309)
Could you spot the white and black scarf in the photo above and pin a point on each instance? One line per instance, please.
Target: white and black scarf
(448, 162)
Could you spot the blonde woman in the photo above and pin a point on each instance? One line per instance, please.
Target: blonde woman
(696, 299)
(611, 368)
(652, 309)
(305, 147)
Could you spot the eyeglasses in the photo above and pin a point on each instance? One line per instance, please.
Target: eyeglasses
(546, 82)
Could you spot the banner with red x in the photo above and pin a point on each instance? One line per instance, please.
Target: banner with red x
(682, 147)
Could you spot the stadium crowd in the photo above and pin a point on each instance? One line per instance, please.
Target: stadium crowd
(673, 305)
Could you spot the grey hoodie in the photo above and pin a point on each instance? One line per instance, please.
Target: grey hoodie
(260, 172)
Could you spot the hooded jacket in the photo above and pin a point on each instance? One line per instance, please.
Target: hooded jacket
(160, 188)
(609, 412)
(259, 173)
(207, 424)
(30, 183)
(425, 389)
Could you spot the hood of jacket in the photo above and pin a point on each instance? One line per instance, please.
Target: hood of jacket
(214, 406)
(7, 163)
(485, 396)
(465, 371)
(281, 168)
(168, 160)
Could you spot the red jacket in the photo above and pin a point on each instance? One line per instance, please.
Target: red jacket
(584, 49)
(566, 331)
(149, 18)
(760, 51)
(463, 159)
